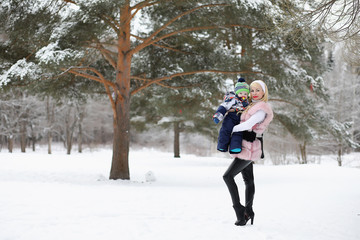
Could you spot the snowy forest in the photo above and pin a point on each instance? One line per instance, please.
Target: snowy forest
(107, 130)
(132, 74)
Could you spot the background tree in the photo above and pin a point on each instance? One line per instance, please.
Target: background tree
(289, 56)
(339, 20)
(344, 86)
(179, 110)
(79, 48)
(62, 43)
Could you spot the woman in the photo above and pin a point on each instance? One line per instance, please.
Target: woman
(254, 121)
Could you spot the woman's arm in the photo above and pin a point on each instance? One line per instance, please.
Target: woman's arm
(258, 117)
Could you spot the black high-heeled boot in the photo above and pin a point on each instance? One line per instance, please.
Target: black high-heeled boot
(249, 214)
(248, 177)
(240, 215)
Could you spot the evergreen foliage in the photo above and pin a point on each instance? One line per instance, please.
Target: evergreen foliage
(165, 56)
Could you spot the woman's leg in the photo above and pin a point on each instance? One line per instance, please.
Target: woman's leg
(248, 176)
(237, 166)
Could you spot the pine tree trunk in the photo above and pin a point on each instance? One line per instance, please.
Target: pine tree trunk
(68, 143)
(303, 153)
(33, 144)
(102, 134)
(122, 95)
(120, 163)
(80, 139)
(50, 116)
(70, 127)
(246, 41)
(49, 142)
(23, 136)
(176, 139)
(67, 132)
(1, 142)
(80, 134)
(10, 144)
(33, 138)
(339, 160)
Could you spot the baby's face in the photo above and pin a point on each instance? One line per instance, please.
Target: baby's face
(243, 94)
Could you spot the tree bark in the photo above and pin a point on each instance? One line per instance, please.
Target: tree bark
(339, 159)
(1, 142)
(80, 138)
(121, 103)
(303, 153)
(49, 141)
(33, 142)
(68, 142)
(176, 139)
(70, 127)
(23, 136)
(80, 133)
(120, 164)
(10, 144)
(246, 62)
(50, 116)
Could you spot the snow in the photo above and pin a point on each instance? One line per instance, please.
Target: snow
(20, 69)
(63, 196)
(52, 53)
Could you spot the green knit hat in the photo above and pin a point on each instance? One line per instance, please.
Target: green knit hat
(241, 86)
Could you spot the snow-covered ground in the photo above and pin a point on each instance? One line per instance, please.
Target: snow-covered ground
(69, 197)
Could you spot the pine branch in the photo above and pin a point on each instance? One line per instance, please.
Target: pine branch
(149, 82)
(100, 78)
(113, 106)
(161, 46)
(290, 130)
(105, 52)
(144, 4)
(69, 1)
(148, 40)
(296, 105)
(140, 78)
(176, 87)
(140, 6)
(193, 29)
(112, 23)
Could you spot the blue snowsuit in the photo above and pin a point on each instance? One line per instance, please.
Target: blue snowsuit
(230, 110)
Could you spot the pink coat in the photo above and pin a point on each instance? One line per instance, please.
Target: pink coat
(252, 150)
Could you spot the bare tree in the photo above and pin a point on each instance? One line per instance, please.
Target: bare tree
(344, 87)
(81, 117)
(18, 113)
(341, 21)
(50, 121)
(9, 122)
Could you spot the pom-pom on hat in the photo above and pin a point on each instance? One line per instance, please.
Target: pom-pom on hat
(241, 86)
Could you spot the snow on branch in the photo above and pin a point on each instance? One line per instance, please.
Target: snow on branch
(157, 80)
(149, 40)
(140, 6)
(21, 69)
(53, 54)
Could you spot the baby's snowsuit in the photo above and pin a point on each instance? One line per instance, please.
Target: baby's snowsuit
(230, 110)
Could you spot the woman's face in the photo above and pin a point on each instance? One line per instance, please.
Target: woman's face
(256, 91)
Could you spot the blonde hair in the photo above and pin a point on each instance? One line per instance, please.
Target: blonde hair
(264, 98)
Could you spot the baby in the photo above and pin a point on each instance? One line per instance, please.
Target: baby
(229, 111)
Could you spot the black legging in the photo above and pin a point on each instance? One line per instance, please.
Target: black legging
(246, 169)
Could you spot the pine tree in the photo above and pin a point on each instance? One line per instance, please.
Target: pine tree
(68, 40)
(77, 47)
